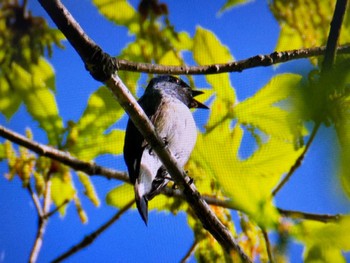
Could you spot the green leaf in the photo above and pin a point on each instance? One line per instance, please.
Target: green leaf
(89, 189)
(121, 195)
(118, 11)
(101, 112)
(324, 241)
(2, 152)
(40, 101)
(62, 190)
(207, 49)
(271, 112)
(248, 182)
(87, 148)
(233, 3)
(9, 99)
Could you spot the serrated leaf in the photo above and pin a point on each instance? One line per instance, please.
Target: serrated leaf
(101, 112)
(118, 11)
(88, 148)
(328, 239)
(39, 99)
(62, 190)
(9, 99)
(263, 110)
(248, 182)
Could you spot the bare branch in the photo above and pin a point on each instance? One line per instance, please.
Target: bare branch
(36, 201)
(334, 33)
(63, 157)
(91, 237)
(234, 66)
(42, 224)
(57, 208)
(268, 246)
(189, 253)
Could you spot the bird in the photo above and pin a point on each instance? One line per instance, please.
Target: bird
(166, 101)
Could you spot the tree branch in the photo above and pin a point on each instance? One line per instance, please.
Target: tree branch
(63, 157)
(234, 66)
(91, 237)
(334, 34)
(102, 68)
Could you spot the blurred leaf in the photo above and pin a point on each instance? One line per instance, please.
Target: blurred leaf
(324, 241)
(264, 111)
(89, 189)
(248, 182)
(80, 210)
(232, 3)
(207, 49)
(9, 99)
(62, 190)
(122, 194)
(118, 11)
(87, 148)
(298, 32)
(39, 100)
(2, 152)
(101, 112)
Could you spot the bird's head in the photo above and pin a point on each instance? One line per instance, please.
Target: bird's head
(175, 87)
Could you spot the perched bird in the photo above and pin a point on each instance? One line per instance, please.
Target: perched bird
(167, 101)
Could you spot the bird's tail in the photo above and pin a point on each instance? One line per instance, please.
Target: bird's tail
(142, 206)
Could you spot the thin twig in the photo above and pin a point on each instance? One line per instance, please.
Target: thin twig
(42, 224)
(189, 252)
(298, 162)
(105, 172)
(268, 246)
(87, 240)
(56, 209)
(36, 201)
(234, 66)
(63, 157)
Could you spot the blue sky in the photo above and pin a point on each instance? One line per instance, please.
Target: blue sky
(247, 30)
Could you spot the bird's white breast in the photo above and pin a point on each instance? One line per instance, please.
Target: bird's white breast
(177, 127)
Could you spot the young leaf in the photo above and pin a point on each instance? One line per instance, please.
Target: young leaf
(124, 16)
(62, 190)
(248, 182)
(101, 112)
(9, 99)
(327, 239)
(207, 49)
(39, 100)
(264, 112)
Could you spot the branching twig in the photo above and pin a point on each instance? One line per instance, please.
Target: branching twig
(105, 172)
(63, 157)
(42, 224)
(235, 66)
(91, 237)
(299, 160)
(57, 208)
(189, 252)
(36, 201)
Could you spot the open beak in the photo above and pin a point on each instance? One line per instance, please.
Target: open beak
(195, 103)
